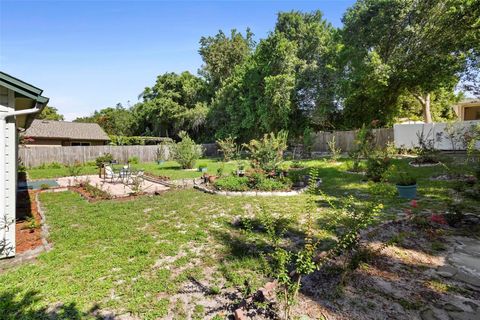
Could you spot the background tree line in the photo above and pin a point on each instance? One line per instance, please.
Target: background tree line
(390, 59)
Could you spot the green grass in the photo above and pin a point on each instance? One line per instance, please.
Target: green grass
(131, 256)
(169, 169)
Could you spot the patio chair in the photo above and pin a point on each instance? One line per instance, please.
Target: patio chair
(110, 174)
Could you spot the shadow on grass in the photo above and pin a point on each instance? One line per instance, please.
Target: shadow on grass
(14, 305)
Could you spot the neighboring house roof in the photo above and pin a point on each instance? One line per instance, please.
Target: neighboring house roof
(469, 102)
(66, 130)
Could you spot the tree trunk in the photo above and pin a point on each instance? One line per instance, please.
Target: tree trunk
(425, 102)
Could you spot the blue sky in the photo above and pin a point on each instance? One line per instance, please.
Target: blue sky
(88, 55)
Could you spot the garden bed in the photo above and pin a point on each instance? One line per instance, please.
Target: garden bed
(28, 234)
(204, 188)
(90, 193)
(424, 164)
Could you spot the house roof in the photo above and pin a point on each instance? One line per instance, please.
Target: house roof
(22, 88)
(49, 129)
(26, 96)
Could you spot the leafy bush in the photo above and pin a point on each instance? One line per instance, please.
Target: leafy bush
(106, 158)
(267, 153)
(229, 148)
(186, 152)
(334, 150)
(75, 169)
(232, 183)
(134, 160)
(44, 186)
(364, 143)
(377, 165)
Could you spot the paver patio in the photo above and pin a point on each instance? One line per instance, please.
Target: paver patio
(117, 189)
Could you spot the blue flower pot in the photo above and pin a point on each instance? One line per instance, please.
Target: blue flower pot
(202, 169)
(407, 192)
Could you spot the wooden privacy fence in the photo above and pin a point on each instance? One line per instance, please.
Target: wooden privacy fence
(36, 156)
(345, 139)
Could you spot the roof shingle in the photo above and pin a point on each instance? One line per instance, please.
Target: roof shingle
(66, 130)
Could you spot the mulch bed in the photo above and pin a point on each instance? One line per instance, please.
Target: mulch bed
(81, 190)
(27, 238)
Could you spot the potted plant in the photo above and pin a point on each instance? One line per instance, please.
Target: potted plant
(202, 167)
(406, 186)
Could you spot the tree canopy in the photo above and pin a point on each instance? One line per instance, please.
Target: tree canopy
(50, 113)
(391, 59)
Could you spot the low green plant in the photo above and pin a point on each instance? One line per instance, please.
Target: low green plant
(44, 186)
(32, 223)
(382, 189)
(186, 152)
(267, 184)
(232, 183)
(106, 158)
(134, 160)
(21, 166)
(75, 169)
(403, 178)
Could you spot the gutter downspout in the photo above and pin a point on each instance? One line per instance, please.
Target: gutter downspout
(3, 117)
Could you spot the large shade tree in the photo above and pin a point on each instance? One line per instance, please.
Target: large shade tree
(222, 53)
(404, 45)
(116, 120)
(176, 102)
(288, 82)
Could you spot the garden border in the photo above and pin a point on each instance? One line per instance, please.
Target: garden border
(252, 193)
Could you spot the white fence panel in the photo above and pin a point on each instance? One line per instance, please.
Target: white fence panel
(445, 137)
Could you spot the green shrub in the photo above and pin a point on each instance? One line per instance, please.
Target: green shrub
(134, 160)
(267, 153)
(106, 158)
(186, 152)
(44, 186)
(232, 183)
(228, 148)
(75, 169)
(378, 163)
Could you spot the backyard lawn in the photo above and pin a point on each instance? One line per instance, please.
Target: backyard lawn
(184, 254)
(170, 169)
